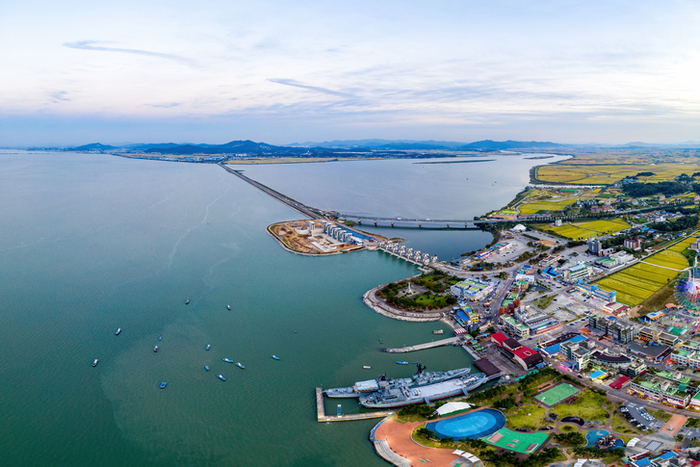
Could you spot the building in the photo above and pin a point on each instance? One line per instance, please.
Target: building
(611, 361)
(525, 357)
(620, 382)
(578, 271)
(653, 352)
(633, 243)
(514, 328)
(663, 391)
(594, 245)
(471, 289)
(649, 334)
(536, 321)
(578, 354)
(593, 289)
(612, 327)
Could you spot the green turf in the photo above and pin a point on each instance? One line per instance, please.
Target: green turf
(557, 394)
(518, 442)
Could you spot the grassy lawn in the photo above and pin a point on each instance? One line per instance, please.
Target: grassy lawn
(573, 232)
(588, 406)
(568, 428)
(530, 416)
(543, 302)
(534, 208)
(660, 415)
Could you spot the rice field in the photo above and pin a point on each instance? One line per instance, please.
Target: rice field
(586, 230)
(637, 283)
(610, 173)
(669, 259)
(573, 232)
(534, 208)
(682, 245)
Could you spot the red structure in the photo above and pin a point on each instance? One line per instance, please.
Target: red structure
(524, 356)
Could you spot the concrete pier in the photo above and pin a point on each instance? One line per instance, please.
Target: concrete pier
(427, 345)
(322, 417)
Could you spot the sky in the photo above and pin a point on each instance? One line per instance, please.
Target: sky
(76, 72)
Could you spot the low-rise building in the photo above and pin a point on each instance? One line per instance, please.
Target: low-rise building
(578, 271)
(514, 328)
(524, 356)
(471, 289)
(663, 391)
(593, 289)
(633, 243)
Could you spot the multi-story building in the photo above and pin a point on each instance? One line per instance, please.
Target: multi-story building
(578, 271)
(536, 321)
(633, 243)
(663, 391)
(578, 353)
(649, 334)
(593, 289)
(514, 328)
(471, 289)
(612, 327)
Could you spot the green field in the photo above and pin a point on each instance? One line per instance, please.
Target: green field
(605, 226)
(530, 416)
(682, 245)
(669, 259)
(573, 232)
(534, 208)
(557, 394)
(588, 405)
(637, 283)
(586, 230)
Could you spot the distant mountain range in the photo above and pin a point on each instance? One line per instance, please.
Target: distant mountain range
(348, 148)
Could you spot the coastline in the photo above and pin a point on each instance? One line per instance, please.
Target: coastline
(370, 299)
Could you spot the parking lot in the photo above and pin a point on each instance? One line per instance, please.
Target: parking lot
(637, 415)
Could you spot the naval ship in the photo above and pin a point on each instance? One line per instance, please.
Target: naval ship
(400, 395)
(420, 378)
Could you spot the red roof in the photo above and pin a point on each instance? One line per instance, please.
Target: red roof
(499, 337)
(617, 384)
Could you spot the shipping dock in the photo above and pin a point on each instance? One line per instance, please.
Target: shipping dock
(322, 417)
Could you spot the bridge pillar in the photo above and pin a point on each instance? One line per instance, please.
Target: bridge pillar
(448, 226)
(392, 223)
(465, 225)
(359, 221)
(420, 226)
(375, 222)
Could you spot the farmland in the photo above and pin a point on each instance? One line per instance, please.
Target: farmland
(534, 208)
(637, 283)
(669, 259)
(610, 173)
(585, 230)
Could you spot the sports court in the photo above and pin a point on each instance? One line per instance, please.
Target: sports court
(557, 394)
(524, 443)
(471, 425)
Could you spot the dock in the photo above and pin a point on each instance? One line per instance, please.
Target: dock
(322, 417)
(427, 345)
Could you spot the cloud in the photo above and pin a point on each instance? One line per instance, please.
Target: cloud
(59, 96)
(90, 45)
(297, 84)
(166, 105)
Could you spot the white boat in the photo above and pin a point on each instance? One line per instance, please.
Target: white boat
(275, 357)
(118, 331)
(229, 307)
(240, 365)
(95, 362)
(221, 377)
(208, 347)
(227, 360)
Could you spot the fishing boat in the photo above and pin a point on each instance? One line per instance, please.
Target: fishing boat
(208, 347)
(95, 362)
(163, 384)
(401, 363)
(367, 367)
(275, 357)
(340, 410)
(187, 302)
(438, 331)
(118, 331)
(221, 377)
(155, 349)
(240, 365)
(206, 367)
(227, 360)
(160, 338)
(229, 307)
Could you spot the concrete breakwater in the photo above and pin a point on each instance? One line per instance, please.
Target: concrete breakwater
(385, 309)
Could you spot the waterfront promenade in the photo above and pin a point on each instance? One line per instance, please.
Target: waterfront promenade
(427, 345)
(371, 300)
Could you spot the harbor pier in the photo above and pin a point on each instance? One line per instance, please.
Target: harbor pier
(427, 345)
(322, 417)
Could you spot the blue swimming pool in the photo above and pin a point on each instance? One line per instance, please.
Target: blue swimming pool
(473, 425)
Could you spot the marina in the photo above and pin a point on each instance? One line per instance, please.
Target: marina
(427, 345)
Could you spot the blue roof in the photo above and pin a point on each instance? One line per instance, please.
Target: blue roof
(552, 349)
(642, 462)
(578, 338)
(463, 315)
(667, 455)
(596, 374)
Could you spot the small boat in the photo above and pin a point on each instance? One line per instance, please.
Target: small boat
(95, 362)
(221, 377)
(275, 357)
(240, 365)
(155, 349)
(229, 307)
(206, 367)
(367, 367)
(187, 302)
(401, 363)
(208, 347)
(227, 360)
(340, 410)
(438, 331)
(118, 331)
(160, 338)
(163, 384)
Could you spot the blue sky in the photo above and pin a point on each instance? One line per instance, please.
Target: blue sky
(132, 71)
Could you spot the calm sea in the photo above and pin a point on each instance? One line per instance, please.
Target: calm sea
(92, 243)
